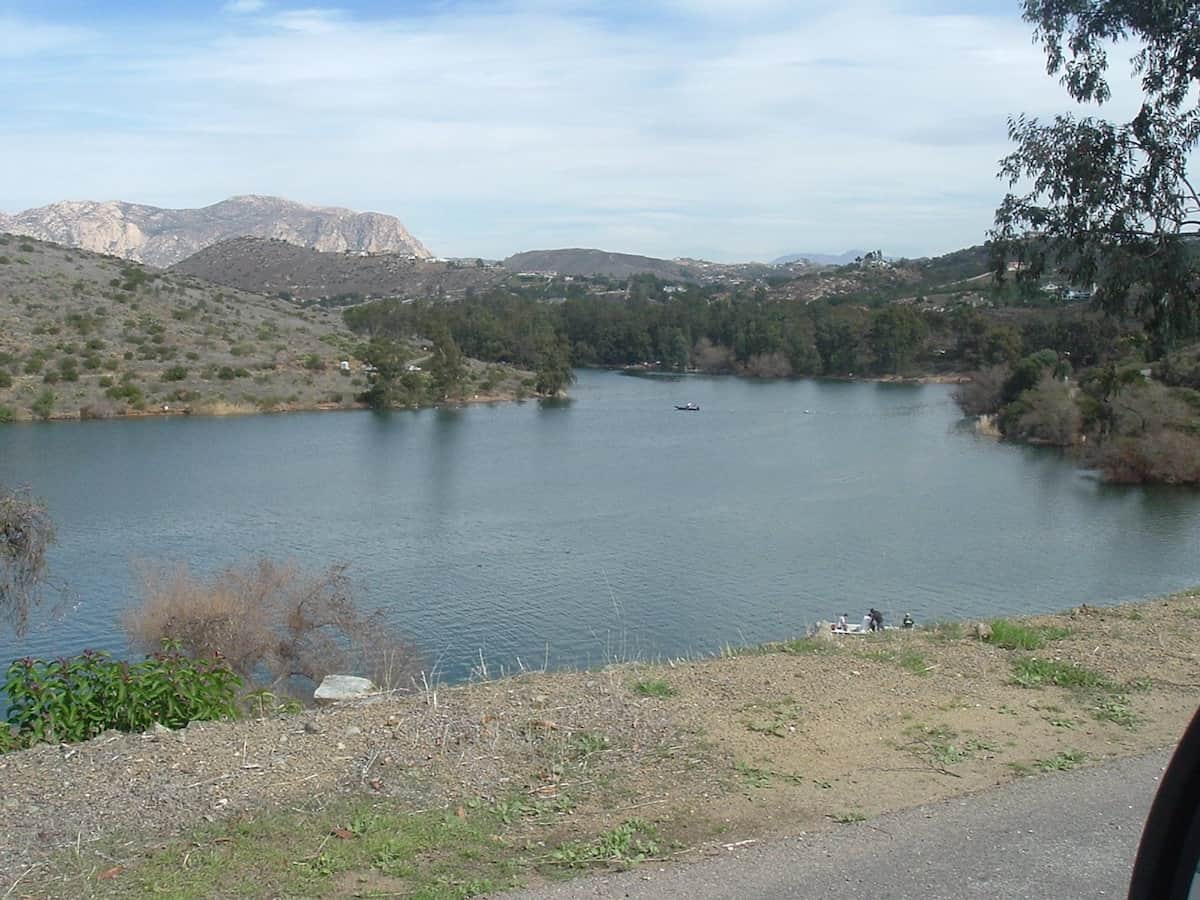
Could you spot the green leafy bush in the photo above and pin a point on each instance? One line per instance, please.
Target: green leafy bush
(43, 406)
(130, 393)
(76, 698)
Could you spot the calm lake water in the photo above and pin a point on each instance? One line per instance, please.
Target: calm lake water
(608, 526)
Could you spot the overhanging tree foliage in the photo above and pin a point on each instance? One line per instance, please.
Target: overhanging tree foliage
(1114, 203)
(26, 533)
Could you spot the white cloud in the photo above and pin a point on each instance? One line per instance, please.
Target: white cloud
(501, 129)
(19, 38)
(244, 7)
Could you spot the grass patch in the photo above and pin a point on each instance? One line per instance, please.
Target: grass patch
(1014, 636)
(1031, 672)
(1116, 710)
(780, 719)
(631, 842)
(941, 747)
(1061, 762)
(658, 688)
(589, 742)
(440, 854)
(910, 660)
(752, 777)
(945, 631)
(755, 778)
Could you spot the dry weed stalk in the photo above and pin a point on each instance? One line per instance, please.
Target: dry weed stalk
(274, 625)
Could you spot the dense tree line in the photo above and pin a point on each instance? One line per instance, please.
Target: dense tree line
(749, 333)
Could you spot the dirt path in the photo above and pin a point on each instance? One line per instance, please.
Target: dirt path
(774, 741)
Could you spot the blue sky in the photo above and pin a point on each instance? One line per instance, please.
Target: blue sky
(724, 129)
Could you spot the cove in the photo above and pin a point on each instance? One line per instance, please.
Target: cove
(608, 526)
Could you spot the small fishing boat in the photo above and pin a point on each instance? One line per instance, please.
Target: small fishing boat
(688, 407)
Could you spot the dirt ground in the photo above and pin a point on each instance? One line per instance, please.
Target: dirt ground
(781, 739)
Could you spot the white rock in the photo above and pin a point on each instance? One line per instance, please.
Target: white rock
(334, 688)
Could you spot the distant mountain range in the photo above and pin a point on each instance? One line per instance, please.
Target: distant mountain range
(821, 259)
(162, 237)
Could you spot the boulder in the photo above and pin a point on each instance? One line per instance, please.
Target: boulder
(336, 688)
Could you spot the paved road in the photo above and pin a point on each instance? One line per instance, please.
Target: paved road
(1064, 836)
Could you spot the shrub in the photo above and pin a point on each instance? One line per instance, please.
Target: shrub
(1170, 457)
(175, 373)
(76, 699)
(97, 410)
(6, 415)
(43, 406)
(278, 628)
(1048, 415)
(128, 392)
(6, 380)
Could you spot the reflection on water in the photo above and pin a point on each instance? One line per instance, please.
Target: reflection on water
(607, 525)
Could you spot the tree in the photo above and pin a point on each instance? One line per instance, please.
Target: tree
(447, 368)
(895, 337)
(387, 358)
(1113, 203)
(26, 532)
(1049, 414)
(554, 372)
(677, 350)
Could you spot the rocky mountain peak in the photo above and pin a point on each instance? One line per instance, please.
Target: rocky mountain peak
(161, 237)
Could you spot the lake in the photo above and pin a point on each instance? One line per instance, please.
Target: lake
(608, 526)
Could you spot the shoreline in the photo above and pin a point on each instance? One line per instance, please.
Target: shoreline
(757, 743)
(220, 409)
(928, 378)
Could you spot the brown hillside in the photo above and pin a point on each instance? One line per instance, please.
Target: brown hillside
(278, 267)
